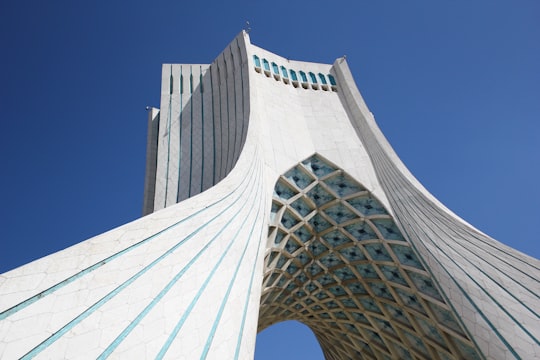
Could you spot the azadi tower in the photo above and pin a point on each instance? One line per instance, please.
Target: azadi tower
(272, 195)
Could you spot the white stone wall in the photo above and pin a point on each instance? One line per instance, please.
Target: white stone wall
(184, 282)
(493, 288)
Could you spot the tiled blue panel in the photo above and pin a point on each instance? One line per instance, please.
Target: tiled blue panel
(366, 271)
(348, 303)
(445, 317)
(303, 257)
(378, 252)
(410, 300)
(292, 268)
(318, 223)
(273, 211)
(298, 177)
(397, 314)
(352, 254)
(343, 185)
(303, 234)
(291, 246)
(351, 328)
(430, 331)
(281, 261)
(406, 256)
(370, 305)
(280, 235)
(393, 274)
(388, 229)
(445, 356)
(314, 269)
(467, 351)
(373, 336)
(344, 273)
(301, 277)
(336, 238)
(291, 286)
(340, 315)
(302, 207)
(289, 301)
(403, 354)
(366, 349)
(326, 279)
(360, 318)
(367, 206)
(384, 326)
(324, 316)
(339, 213)
(311, 287)
(316, 248)
(331, 304)
(272, 279)
(272, 256)
(321, 245)
(415, 342)
(380, 290)
(317, 166)
(283, 191)
(330, 260)
(321, 295)
(425, 285)
(337, 290)
(319, 196)
(288, 219)
(361, 231)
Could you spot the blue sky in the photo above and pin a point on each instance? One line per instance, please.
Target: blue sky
(454, 85)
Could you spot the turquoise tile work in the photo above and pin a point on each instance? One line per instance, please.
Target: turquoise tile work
(303, 76)
(338, 262)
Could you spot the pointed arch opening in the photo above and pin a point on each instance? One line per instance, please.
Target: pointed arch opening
(337, 262)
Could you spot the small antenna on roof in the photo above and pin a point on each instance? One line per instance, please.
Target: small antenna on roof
(248, 28)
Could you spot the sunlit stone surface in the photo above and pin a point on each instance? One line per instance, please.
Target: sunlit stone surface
(272, 195)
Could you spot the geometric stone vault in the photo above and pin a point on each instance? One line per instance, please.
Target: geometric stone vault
(347, 241)
(337, 262)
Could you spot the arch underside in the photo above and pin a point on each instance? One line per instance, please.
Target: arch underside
(337, 262)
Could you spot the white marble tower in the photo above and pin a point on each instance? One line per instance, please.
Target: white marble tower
(271, 195)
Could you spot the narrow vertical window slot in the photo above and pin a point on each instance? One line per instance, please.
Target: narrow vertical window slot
(266, 67)
(284, 74)
(323, 82)
(332, 82)
(275, 70)
(313, 79)
(303, 77)
(294, 78)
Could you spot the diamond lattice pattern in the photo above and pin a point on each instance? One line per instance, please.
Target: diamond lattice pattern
(337, 262)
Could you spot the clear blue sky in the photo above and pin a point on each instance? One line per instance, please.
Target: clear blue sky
(454, 85)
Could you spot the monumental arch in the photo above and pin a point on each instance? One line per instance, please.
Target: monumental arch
(271, 195)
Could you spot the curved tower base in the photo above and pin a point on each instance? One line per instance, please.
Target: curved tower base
(272, 195)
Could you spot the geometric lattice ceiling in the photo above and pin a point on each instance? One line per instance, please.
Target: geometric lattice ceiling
(337, 262)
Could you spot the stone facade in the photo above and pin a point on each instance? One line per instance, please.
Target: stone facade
(271, 195)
